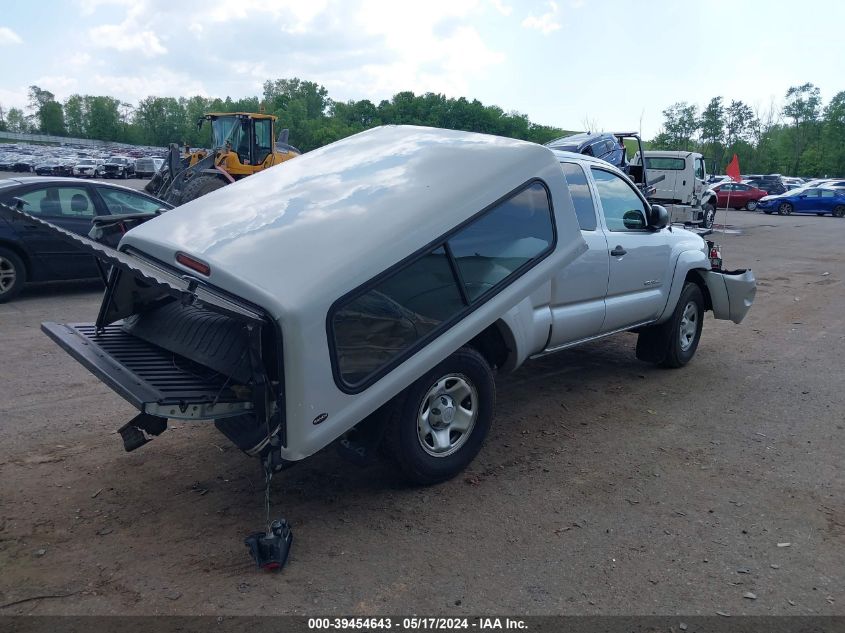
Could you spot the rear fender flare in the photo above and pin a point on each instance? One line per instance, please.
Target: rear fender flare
(525, 330)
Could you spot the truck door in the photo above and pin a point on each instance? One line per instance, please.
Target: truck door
(669, 168)
(699, 175)
(639, 274)
(579, 289)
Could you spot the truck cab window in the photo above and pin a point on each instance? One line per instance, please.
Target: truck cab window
(624, 210)
(582, 199)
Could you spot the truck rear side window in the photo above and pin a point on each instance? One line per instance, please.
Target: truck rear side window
(379, 325)
(582, 199)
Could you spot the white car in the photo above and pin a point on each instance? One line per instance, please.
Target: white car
(88, 168)
(371, 288)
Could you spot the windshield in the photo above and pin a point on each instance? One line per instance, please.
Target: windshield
(226, 129)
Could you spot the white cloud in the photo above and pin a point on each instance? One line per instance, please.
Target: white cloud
(60, 85)
(89, 7)
(546, 23)
(294, 16)
(8, 36)
(501, 7)
(431, 47)
(160, 81)
(130, 35)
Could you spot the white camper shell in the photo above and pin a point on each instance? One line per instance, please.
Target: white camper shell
(369, 289)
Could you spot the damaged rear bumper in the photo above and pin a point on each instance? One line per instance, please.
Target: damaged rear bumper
(731, 293)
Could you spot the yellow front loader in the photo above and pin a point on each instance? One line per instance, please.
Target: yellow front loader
(242, 144)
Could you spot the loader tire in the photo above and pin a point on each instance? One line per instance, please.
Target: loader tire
(199, 186)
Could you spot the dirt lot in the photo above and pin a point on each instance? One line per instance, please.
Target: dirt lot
(606, 487)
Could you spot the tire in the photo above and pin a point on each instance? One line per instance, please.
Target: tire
(709, 218)
(784, 208)
(751, 205)
(426, 446)
(673, 343)
(839, 211)
(12, 275)
(199, 186)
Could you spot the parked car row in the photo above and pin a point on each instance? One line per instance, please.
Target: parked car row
(79, 161)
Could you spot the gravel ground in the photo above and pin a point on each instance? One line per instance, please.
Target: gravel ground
(606, 486)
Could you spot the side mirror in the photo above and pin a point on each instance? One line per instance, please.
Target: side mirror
(633, 220)
(658, 217)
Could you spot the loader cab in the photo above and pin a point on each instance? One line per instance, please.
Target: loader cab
(250, 136)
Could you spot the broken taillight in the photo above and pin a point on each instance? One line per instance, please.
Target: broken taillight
(715, 256)
(194, 264)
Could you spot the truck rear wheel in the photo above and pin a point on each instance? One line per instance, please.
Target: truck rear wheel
(673, 343)
(437, 428)
(199, 186)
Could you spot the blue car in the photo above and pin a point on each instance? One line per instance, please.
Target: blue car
(807, 200)
(31, 252)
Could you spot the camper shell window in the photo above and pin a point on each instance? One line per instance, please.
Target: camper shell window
(379, 325)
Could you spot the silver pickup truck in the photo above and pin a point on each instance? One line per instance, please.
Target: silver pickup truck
(369, 291)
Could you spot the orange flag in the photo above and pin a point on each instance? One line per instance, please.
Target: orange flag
(733, 169)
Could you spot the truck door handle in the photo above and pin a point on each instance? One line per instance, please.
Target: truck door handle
(618, 251)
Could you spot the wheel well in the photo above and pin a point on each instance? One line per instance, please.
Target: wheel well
(694, 276)
(492, 344)
(17, 250)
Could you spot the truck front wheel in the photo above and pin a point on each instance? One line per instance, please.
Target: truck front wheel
(438, 426)
(709, 215)
(673, 343)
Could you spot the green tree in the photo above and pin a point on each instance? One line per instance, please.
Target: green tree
(102, 119)
(680, 123)
(47, 113)
(834, 136)
(75, 116)
(803, 105)
(712, 129)
(52, 119)
(16, 121)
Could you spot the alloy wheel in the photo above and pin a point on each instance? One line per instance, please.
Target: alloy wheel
(8, 275)
(689, 325)
(447, 415)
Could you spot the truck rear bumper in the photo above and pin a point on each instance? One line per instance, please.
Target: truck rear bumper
(731, 292)
(152, 379)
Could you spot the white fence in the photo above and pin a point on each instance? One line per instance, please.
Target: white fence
(59, 140)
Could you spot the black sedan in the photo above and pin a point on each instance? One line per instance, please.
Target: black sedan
(30, 252)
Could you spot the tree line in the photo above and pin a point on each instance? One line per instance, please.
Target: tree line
(304, 107)
(802, 136)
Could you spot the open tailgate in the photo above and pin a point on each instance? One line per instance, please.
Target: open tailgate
(155, 380)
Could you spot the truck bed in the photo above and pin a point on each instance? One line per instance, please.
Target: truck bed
(149, 377)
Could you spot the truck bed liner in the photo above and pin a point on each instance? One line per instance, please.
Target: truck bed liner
(150, 378)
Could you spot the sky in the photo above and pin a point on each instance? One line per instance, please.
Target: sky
(608, 65)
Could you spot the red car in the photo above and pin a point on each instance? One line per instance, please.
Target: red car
(742, 196)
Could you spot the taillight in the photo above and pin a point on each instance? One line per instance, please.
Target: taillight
(194, 264)
(715, 256)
